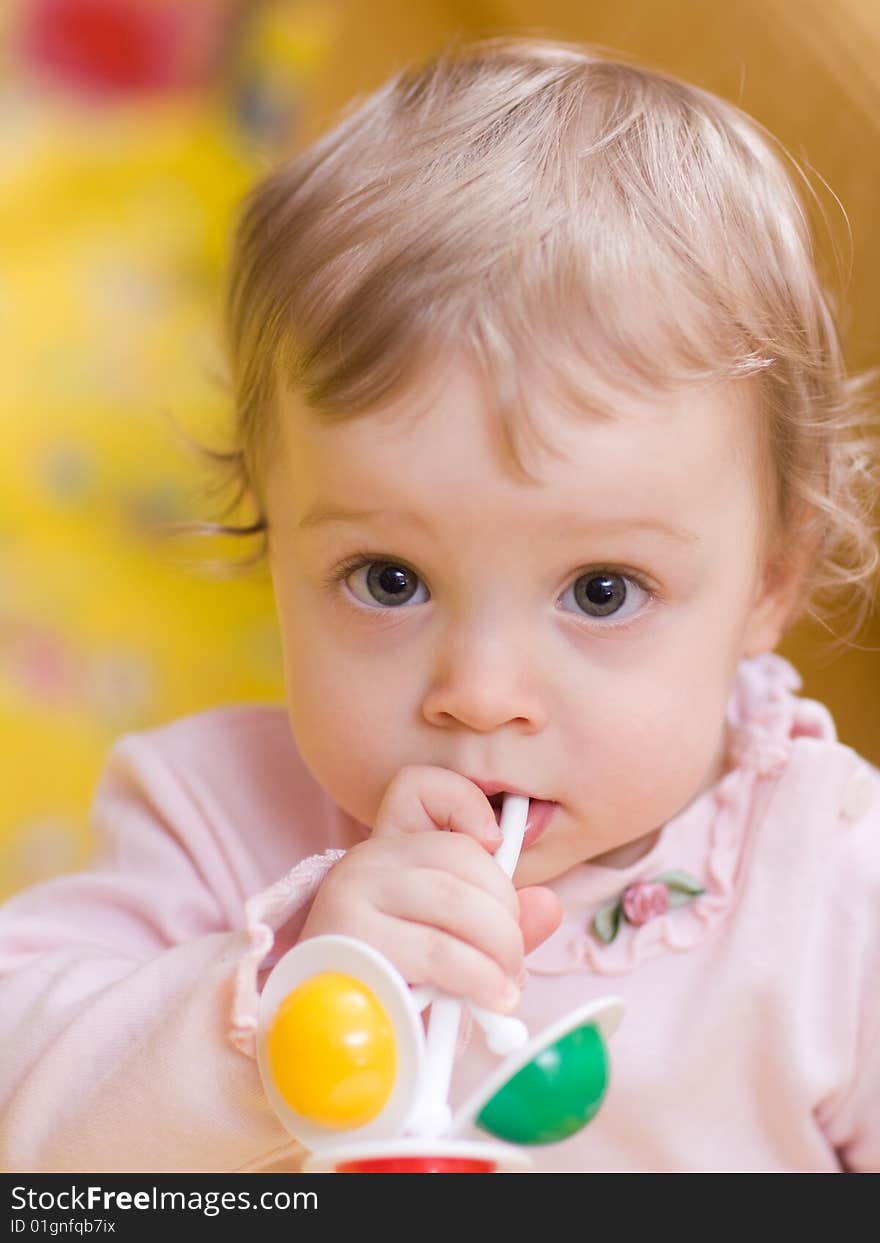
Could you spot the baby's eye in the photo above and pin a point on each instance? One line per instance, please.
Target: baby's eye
(387, 584)
(604, 593)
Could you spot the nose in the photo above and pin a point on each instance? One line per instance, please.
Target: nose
(483, 682)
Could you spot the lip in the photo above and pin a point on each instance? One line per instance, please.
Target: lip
(498, 787)
(540, 809)
(540, 814)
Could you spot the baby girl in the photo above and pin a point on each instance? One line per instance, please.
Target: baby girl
(543, 414)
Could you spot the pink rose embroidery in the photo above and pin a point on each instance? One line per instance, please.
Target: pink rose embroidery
(643, 900)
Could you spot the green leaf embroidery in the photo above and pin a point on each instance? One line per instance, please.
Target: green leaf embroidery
(606, 921)
(680, 883)
(677, 898)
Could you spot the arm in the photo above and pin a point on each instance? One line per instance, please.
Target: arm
(851, 1114)
(116, 996)
(855, 1129)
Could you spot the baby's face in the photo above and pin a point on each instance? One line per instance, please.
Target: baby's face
(573, 638)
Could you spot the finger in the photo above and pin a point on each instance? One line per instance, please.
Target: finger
(460, 856)
(540, 915)
(421, 798)
(429, 956)
(443, 901)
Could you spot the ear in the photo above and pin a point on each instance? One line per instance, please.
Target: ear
(775, 601)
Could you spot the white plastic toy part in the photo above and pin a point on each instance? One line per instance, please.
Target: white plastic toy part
(545, 1089)
(503, 1034)
(604, 1012)
(427, 1156)
(350, 957)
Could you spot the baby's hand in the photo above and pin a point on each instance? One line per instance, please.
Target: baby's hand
(435, 903)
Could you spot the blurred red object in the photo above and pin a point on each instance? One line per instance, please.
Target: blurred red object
(118, 46)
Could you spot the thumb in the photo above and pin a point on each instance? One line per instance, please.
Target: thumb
(540, 913)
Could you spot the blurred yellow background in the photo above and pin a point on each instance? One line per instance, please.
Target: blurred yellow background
(128, 131)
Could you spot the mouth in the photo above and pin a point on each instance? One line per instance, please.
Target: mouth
(496, 801)
(540, 814)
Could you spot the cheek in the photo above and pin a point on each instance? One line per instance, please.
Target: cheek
(343, 718)
(668, 766)
(650, 749)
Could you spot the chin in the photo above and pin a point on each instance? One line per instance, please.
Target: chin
(544, 862)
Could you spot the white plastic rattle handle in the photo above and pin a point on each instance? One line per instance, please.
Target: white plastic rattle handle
(514, 815)
(443, 1022)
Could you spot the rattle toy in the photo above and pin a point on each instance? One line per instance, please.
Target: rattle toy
(355, 1076)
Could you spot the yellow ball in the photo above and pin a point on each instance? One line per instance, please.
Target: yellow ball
(332, 1052)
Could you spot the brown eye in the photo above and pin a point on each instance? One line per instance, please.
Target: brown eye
(604, 593)
(385, 583)
(600, 594)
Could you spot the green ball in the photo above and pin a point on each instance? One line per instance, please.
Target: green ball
(554, 1095)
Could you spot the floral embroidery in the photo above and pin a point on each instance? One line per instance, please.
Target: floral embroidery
(643, 900)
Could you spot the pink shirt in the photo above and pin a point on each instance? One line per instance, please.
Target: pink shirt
(751, 1037)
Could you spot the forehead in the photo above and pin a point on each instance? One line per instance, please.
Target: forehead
(446, 440)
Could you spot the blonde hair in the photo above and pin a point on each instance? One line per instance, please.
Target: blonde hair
(523, 198)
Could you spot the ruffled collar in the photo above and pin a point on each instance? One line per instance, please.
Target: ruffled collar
(707, 839)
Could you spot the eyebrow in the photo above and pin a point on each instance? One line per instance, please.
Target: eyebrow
(321, 515)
